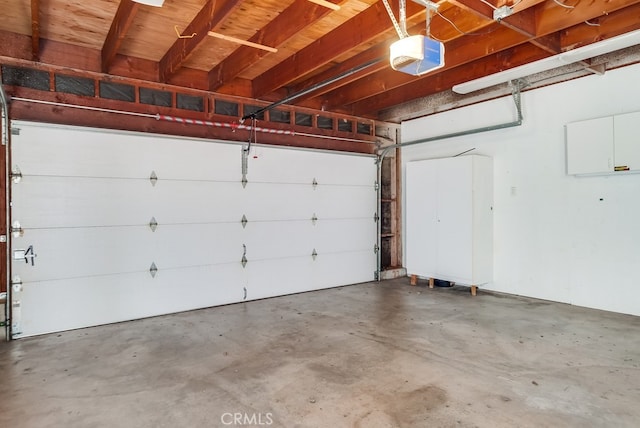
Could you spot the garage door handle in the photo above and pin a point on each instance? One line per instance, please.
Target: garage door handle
(28, 255)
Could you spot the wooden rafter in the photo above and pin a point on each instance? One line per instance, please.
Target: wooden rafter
(363, 27)
(293, 19)
(122, 20)
(440, 27)
(35, 29)
(609, 25)
(212, 14)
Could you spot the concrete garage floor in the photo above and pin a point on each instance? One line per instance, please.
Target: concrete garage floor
(370, 355)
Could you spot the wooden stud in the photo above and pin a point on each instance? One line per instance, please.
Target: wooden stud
(432, 282)
(414, 280)
(474, 290)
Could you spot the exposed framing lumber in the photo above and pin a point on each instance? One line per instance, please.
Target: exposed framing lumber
(292, 20)
(368, 24)
(122, 20)
(212, 14)
(242, 42)
(459, 51)
(326, 4)
(35, 29)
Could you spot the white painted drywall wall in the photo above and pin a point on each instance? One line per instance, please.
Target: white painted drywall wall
(556, 237)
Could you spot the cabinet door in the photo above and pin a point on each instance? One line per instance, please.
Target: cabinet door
(626, 128)
(454, 221)
(421, 218)
(590, 146)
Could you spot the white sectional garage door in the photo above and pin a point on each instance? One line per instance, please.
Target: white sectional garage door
(99, 239)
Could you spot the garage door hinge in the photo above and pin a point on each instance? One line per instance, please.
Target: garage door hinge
(376, 249)
(16, 284)
(16, 175)
(16, 229)
(153, 270)
(376, 217)
(244, 256)
(376, 186)
(15, 131)
(244, 221)
(314, 219)
(314, 255)
(153, 224)
(314, 183)
(153, 178)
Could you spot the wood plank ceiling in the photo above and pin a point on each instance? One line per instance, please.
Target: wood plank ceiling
(172, 44)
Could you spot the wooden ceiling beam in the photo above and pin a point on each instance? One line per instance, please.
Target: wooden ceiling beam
(212, 15)
(35, 29)
(287, 24)
(458, 52)
(368, 24)
(475, 7)
(379, 51)
(122, 20)
(579, 35)
(440, 28)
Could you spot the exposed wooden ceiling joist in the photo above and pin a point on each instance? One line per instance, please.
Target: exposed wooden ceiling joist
(292, 20)
(209, 18)
(360, 29)
(123, 19)
(35, 29)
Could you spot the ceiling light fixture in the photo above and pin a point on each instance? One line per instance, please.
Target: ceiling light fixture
(156, 3)
(414, 55)
(580, 54)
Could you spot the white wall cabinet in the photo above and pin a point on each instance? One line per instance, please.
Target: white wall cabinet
(449, 219)
(604, 145)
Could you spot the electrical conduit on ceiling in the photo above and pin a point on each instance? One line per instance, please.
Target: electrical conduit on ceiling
(383, 152)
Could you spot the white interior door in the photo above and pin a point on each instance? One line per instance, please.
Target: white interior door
(102, 242)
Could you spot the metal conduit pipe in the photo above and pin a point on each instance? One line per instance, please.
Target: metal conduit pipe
(5, 142)
(312, 88)
(516, 98)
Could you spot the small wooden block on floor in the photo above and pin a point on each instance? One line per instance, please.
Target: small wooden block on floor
(474, 290)
(414, 280)
(431, 282)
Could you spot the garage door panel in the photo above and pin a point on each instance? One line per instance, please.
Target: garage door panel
(81, 302)
(69, 253)
(296, 166)
(329, 235)
(277, 201)
(186, 202)
(278, 239)
(99, 154)
(344, 202)
(197, 245)
(336, 269)
(87, 252)
(77, 202)
(268, 278)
